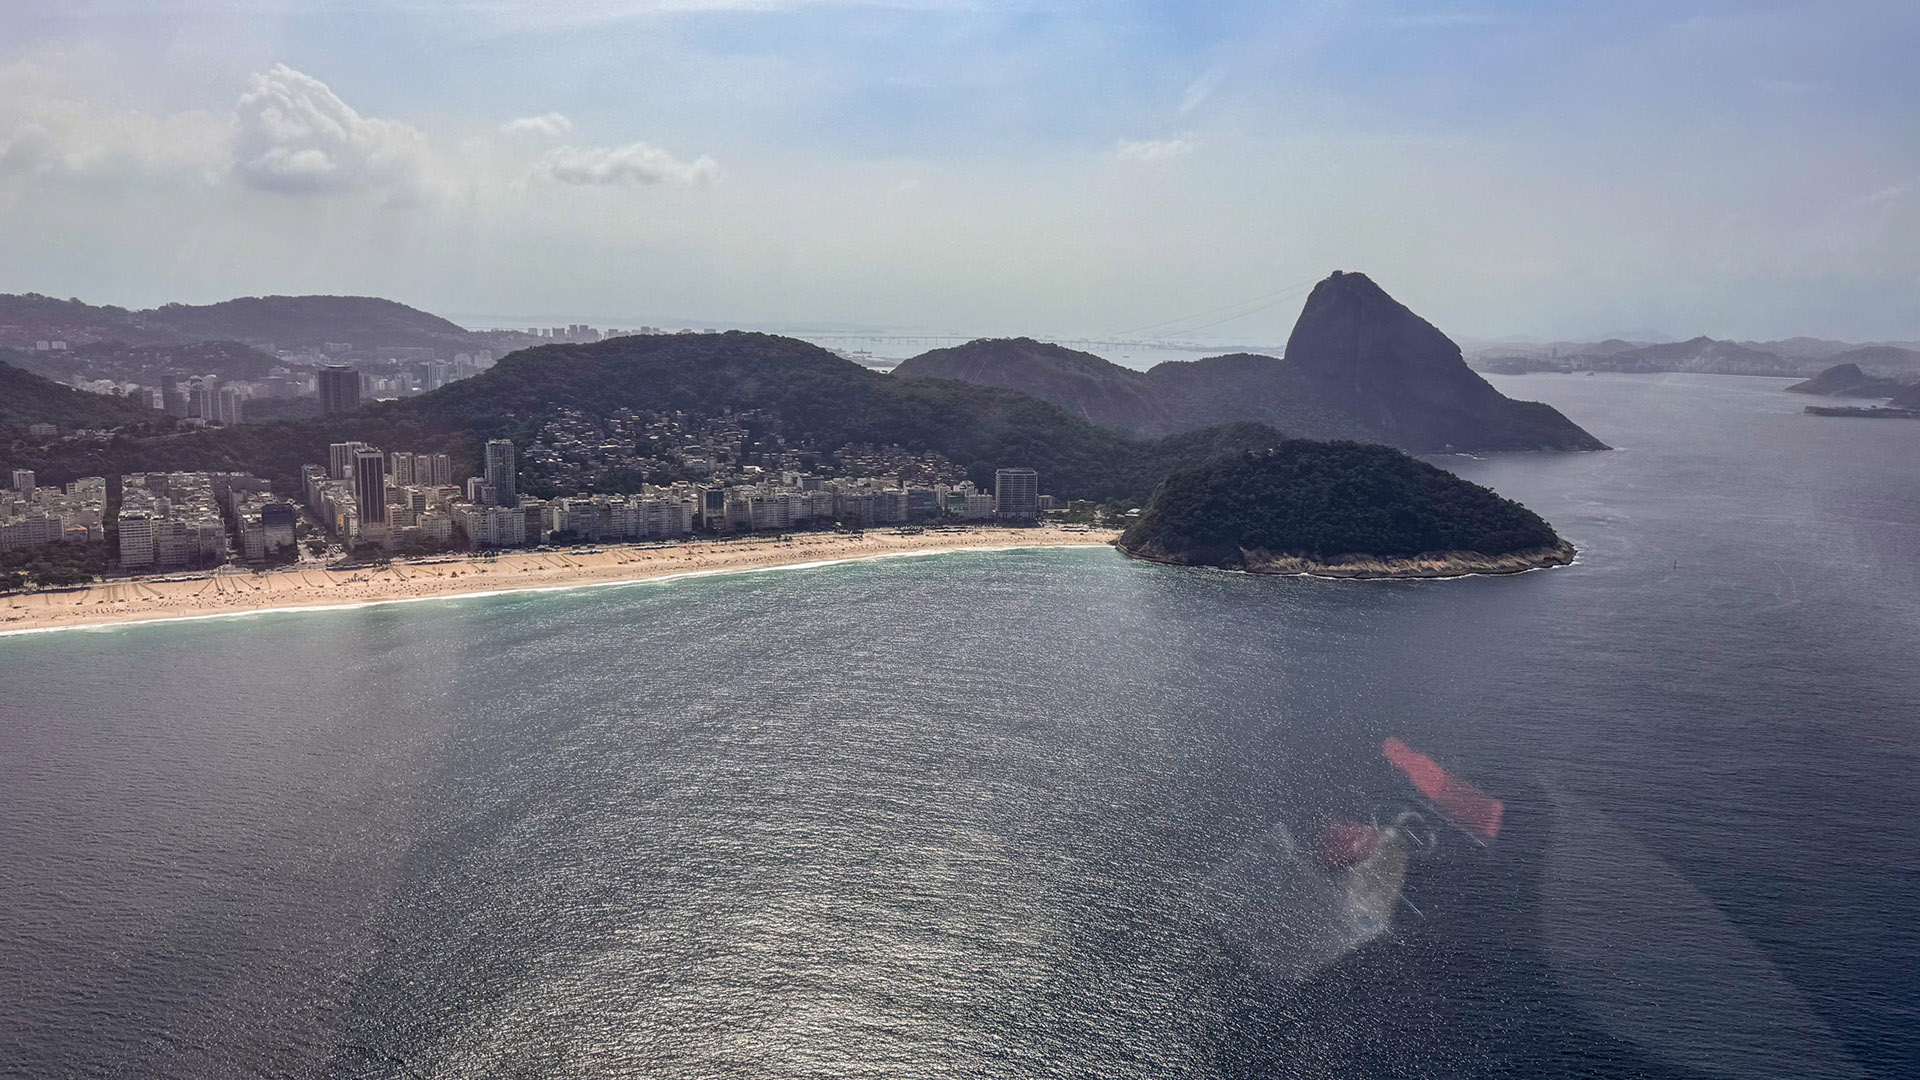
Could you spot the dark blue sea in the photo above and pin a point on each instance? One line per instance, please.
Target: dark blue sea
(1024, 814)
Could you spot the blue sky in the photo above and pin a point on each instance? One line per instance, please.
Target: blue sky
(1566, 169)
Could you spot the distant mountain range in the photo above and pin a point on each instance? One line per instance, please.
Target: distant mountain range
(261, 321)
(1793, 357)
(1359, 365)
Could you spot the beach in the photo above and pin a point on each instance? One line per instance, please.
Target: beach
(232, 591)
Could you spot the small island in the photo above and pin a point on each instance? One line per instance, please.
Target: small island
(1904, 406)
(1339, 509)
(1847, 380)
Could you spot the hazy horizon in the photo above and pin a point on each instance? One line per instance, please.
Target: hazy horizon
(1742, 171)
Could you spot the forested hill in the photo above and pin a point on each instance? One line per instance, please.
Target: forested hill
(26, 398)
(1328, 501)
(311, 321)
(1359, 365)
(285, 321)
(828, 402)
(1088, 386)
(146, 365)
(821, 399)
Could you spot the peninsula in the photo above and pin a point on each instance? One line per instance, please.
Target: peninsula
(1339, 509)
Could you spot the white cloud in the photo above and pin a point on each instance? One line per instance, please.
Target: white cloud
(1202, 88)
(1892, 194)
(1152, 149)
(548, 125)
(293, 134)
(638, 163)
(49, 127)
(289, 133)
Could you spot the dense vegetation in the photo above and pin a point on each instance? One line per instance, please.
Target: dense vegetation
(1324, 500)
(26, 398)
(74, 320)
(145, 364)
(821, 399)
(310, 320)
(57, 565)
(264, 409)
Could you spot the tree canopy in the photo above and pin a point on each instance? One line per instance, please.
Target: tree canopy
(1324, 500)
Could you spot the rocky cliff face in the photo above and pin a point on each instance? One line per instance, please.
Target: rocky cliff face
(1359, 366)
(1376, 361)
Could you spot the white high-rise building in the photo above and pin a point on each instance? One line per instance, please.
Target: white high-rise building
(136, 538)
(340, 460)
(1016, 494)
(229, 405)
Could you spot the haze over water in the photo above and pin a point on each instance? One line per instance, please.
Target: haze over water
(997, 814)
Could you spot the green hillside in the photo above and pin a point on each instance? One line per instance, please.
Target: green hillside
(821, 399)
(1327, 500)
(26, 398)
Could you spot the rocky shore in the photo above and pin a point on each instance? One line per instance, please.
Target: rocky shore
(1438, 564)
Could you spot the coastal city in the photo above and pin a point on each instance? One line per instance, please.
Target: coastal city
(915, 539)
(631, 476)
(202, 389)
(368, 502)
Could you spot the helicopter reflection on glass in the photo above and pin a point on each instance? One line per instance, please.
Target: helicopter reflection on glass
(1299, 898)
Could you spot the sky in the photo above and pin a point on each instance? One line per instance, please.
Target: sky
(1106, 167)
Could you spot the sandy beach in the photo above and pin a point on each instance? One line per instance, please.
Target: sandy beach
(230, 592)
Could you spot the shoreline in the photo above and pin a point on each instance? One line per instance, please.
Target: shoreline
(214, 594)
(1434, 566)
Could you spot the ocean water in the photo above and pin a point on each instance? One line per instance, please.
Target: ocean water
(1022, 814)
